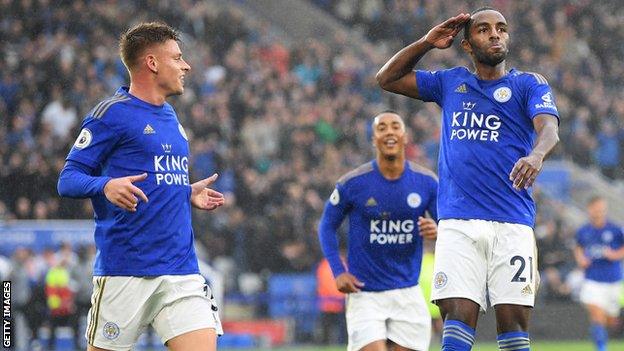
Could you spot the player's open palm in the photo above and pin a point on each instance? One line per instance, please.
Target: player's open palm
(442, 35)
(347, 283)
(205, 198)
(122, 193)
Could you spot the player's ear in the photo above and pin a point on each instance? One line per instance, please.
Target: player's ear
(151, 62)
(465, 44)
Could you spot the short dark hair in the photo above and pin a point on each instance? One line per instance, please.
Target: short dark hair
(469, 22)
(143, 35)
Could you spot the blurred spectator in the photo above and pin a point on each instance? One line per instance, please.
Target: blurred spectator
(332, 306)
(81, 275)
(61, 301)
(554, 259)
(59, 116)
(607, 152)
(21, 295)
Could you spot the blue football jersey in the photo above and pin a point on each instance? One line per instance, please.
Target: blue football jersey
(384, 245)
(487, 125)
(125, 136)
(594, 241)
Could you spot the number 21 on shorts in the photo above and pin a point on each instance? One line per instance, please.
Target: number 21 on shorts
(520, 263)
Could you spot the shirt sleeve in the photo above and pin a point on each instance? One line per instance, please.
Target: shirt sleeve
(336, 209)
(94, 143)
(79, 181)
(541, 99)
(429, 85)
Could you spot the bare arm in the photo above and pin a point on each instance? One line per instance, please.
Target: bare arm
(526, 169)
(582, 261)
(396, 75)
(614, 255)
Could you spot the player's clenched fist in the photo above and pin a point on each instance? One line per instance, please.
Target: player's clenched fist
(427, 228)
(122, 193)
(348, 283)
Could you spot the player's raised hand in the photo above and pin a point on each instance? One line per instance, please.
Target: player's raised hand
(427, 228)
(205, 198)
(442, 35)
(348, 283)
(122, 193)
(525, 171)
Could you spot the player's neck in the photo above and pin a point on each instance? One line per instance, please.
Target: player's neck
(599, 223)
(485, 72)
(146, 91)
(391, 169)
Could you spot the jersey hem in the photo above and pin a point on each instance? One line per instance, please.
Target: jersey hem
(490, 218)
(402, 286)
(142, 273)
(617, 281)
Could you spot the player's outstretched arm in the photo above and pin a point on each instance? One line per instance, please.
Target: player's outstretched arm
(122, 193)
(527, 168)
(205, 198)
(396, 75)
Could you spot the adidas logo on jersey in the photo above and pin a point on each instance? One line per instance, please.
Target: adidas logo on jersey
(461, 89)
(371, 202)
(149, 130)
(527, 290)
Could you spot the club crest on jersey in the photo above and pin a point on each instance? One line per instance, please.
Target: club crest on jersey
(440, 280)
(110, 331)
(371, 202)
(607, 236)
(334, 198)
(84, 139)
(181, 129)
(414, 200)
(502, 94)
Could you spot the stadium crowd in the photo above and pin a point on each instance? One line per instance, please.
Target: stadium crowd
(280, 122)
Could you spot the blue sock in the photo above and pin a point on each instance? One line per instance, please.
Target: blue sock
(457, 336)
(600, 336)
(514, 341)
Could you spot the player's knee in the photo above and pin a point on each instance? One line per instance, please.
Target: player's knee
(464, 310)
(510, 318)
